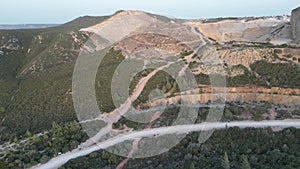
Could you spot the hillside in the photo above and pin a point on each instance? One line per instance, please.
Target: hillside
(37, 65)
(259, 59)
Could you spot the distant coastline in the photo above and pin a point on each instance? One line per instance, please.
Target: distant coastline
(26, 26)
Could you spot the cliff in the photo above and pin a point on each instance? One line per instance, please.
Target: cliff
(295, 22)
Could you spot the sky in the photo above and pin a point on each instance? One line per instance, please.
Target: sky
(61, 11)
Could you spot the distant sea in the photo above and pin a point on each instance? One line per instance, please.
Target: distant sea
(27, 26)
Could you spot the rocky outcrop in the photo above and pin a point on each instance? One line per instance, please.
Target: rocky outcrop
(147, 41)
(245, 57)
(295, 22)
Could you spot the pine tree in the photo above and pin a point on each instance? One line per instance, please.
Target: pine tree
(225, 161)
(28, 134)
(54, 125)
(36, 139)
(15, 140)
(192, 165)
(245, 163)
(45, 136)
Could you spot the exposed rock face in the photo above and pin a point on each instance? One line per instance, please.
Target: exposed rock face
(275, 30)
(233, 94)
(295, 22)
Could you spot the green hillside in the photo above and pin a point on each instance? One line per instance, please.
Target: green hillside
(36, 69)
